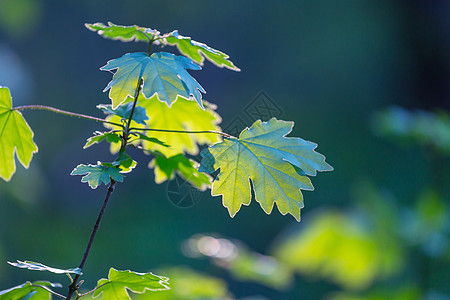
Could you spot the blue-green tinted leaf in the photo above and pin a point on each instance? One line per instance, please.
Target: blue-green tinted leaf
(15, 137)
(29, 291)
(124, 162)
(97, 174)
(123, 33)
(30, 265)
(265, 155)
(166, 168)
(111, 137)
(199, 51)
(162, 73)
(120, 282)
(124, 111)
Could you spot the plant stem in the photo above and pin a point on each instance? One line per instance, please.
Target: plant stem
(185, 131)
(73, 286)
(49, 290)
(63, 112)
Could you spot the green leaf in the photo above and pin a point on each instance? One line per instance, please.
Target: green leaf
(111, 137)
(15, 137)
(165, 169)
(97, 174)
(199, 51)
(28, 291)
(275, 164)
(124, 111)
(30, 265)
(182, 115)
(163, 74)
(123, 33)
(124, 162)
(118, 282)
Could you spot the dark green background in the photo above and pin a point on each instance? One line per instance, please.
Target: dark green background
(327, 64)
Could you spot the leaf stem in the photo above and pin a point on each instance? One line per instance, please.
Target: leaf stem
(63, 112)
(93, 290)
(73, 286)
(185, 131)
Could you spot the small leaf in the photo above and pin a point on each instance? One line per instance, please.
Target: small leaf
(165, 169)
(275, 164)
(15, 137)
(30, 265)
(124, 111)
(199, 51)
(111, 137)
(123, 33)
(97, 174)
(163, 74)
(124, 162)
(28, 291)
(118, 282)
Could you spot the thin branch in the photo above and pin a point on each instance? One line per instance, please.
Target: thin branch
(93, 290)
(73, 286)
(63, 112)
(185, 131)
(49, 290)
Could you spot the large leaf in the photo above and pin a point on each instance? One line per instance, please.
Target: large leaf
(163, 74)
(28, 291)
(165, 168)
(15, 137)
(123, 33)
(199, 51)
(118, 282)
(97, 174)
(30, 265)
(182, 115)
(276, 165)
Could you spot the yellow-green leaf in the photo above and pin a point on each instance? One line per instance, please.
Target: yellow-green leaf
(276, 165)
(15, 137)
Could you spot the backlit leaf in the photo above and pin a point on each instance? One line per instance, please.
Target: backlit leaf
(28, 291)
(123, 33)
(199, 51)
(111, 137)
(276, 165)
(120, 282)
(30, 265)
(15, 137)
(97, 174)
(163, 74)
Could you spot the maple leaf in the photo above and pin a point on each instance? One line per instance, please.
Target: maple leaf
(198, 51)
(97, 174)
(118, 282)
(163, 74)
(276, 165)
(15, 137)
